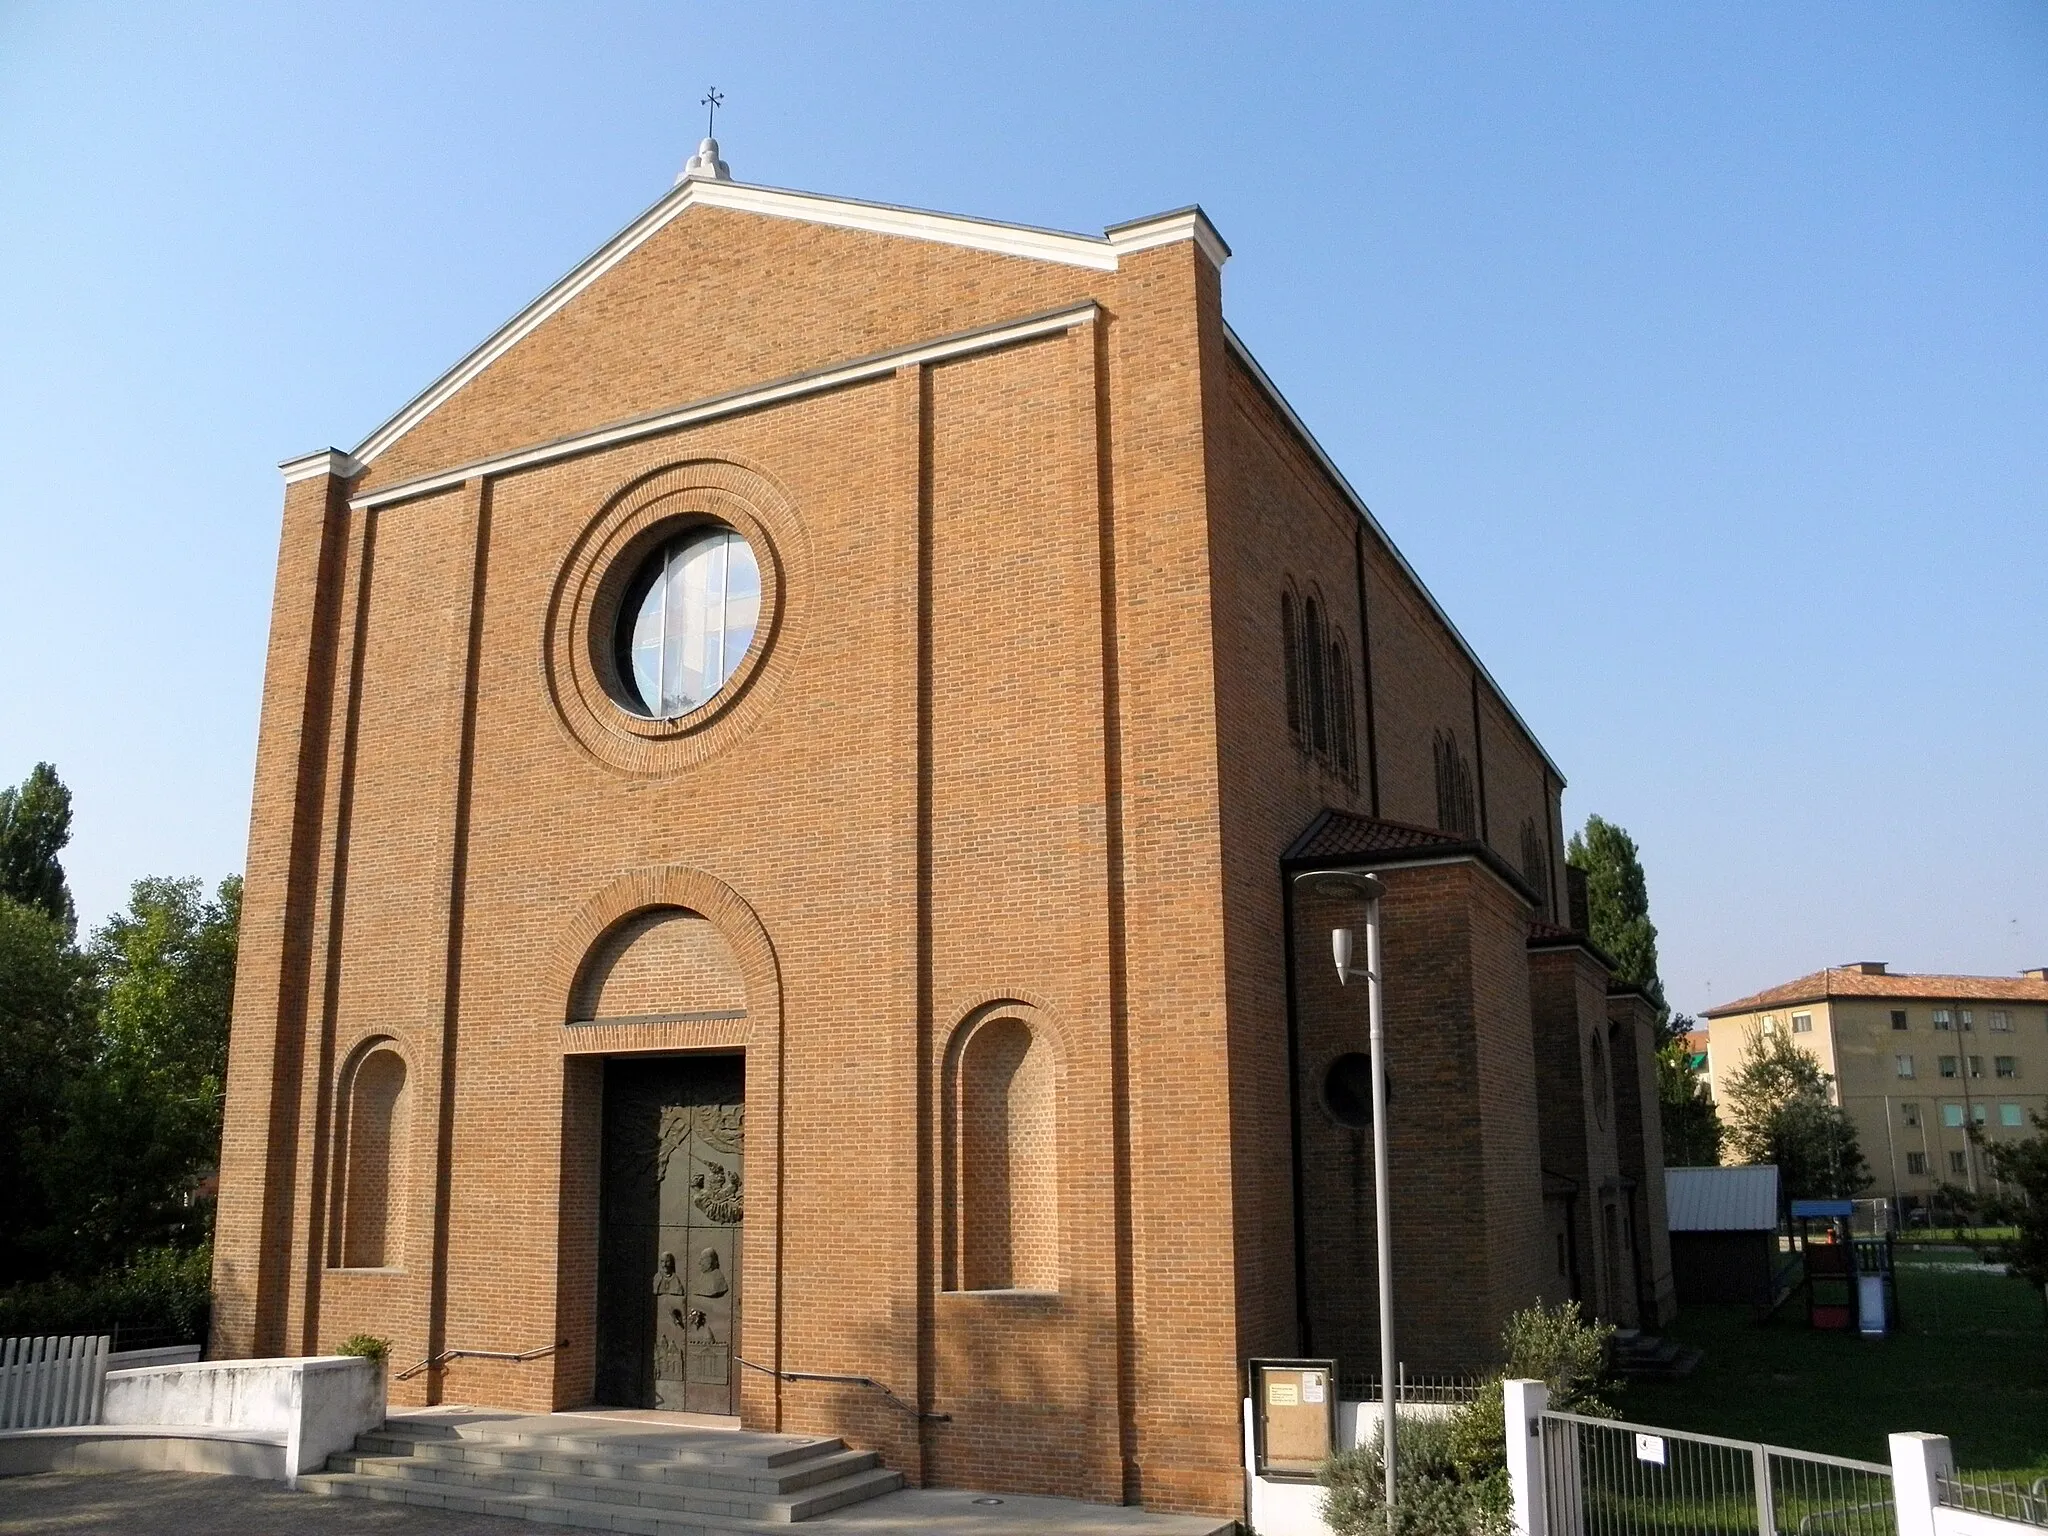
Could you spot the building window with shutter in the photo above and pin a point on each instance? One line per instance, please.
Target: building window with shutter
(2005, 1066)
(1909, 1114)
(1942, 1020)
(1948, 1066)
(1904, 1066)
(1898, 1022)
(1958, 1162)
(1916, 1164)
(1802, 1024)
(1998, 1021)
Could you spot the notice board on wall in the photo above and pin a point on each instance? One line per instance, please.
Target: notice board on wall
(1294, 1414)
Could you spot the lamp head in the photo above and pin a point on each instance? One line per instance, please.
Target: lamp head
(1340, 951)
(1341, 884)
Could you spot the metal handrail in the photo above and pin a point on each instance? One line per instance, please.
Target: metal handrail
(851, 1381)
(478, 1354)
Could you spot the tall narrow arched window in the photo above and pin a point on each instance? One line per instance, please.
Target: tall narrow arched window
(1456, 807)
(1343, 728)
(1007, 1159)
(370, 1176)
(1536, 865)
(1290, 651)
(1313, 677)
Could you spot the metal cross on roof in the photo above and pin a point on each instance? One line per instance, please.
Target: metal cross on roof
(713, 101)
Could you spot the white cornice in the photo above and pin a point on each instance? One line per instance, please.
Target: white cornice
(1164, 229)
(1329, 466)
(1098, 253)
(328, 461)
(796, 386)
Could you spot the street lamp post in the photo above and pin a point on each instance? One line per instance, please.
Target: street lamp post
(1364, 887)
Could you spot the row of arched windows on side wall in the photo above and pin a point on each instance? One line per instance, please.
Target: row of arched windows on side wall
(1320, 712)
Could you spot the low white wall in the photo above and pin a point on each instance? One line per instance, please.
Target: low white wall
(319, 1404)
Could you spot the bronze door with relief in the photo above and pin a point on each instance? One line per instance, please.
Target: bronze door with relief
(669, 1226)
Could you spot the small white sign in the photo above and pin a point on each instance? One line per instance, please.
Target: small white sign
(1311, 1387)
(1650, 1448)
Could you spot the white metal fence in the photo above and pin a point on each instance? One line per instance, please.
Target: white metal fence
(2004, 1501)
(1603, 1477)
(49, 1381)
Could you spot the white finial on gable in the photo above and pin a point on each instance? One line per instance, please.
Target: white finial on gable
(705, 165)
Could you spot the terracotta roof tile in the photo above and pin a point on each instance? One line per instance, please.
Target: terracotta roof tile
(1338, 833)
(1851, 981)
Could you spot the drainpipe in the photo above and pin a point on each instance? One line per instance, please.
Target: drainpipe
(1303, 1332)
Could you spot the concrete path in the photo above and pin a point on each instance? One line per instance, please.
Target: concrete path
(179, 1504)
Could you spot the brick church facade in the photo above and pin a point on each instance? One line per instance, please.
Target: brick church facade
(771, 882)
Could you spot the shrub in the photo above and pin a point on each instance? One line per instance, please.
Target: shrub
(1432, 1497)
(1452, 1475)
(164, 1295)
(1556, 1346)
(366, 1346)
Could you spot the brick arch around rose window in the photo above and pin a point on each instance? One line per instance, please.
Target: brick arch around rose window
(1002, 1090)
(590, 938)
(372, 1160)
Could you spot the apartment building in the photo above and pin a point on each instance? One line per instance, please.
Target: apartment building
(1917, 1061)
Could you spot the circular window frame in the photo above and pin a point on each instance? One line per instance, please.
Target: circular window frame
(580, 642)
(1336, 1117)
(621, 575)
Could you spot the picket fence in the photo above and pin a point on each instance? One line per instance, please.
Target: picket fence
(48, 1381)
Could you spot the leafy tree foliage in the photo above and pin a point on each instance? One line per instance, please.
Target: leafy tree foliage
(141, 1122)
(2021, 1168)
(48, 1004)
(1780, 1111)
(1618, 904)
(1692, 1128)
(111, 1065)
(35, 824)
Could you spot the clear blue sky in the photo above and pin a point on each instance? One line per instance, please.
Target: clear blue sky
(1696, 355)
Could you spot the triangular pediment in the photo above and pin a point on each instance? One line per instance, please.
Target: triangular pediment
(1079, 253)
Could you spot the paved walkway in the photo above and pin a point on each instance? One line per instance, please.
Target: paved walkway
(181, 1504)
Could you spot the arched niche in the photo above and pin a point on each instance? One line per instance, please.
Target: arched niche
(1004, 1210)
(372, 1163)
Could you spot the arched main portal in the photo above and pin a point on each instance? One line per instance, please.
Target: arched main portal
(672, 1166)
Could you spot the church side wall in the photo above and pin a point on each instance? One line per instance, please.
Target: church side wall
(1277, 518)
(1503, 1098)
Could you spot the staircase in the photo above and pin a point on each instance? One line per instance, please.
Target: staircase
(1647, 1357)
(604, 1472)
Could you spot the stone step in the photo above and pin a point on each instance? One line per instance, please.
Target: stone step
(680, 1496)
(582, 1514)
(700, 1446)
(587, 1460)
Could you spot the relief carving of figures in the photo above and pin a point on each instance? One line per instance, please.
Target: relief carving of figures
(716, 1193)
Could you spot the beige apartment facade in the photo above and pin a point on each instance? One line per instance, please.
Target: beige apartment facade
(1917, 1060)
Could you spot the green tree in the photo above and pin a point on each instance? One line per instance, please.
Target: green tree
(47, 1005)
(35, 824)
(1781, 1110)
(142, 1119)
(1618, 905)
(2021, 1168)
(1692, 1129)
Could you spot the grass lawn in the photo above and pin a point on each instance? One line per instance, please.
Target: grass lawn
(1970, 1362)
